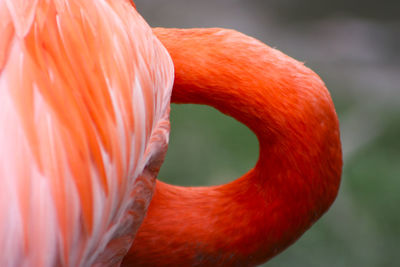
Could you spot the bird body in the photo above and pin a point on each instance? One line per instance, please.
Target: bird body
(84, 117)
(85, 87)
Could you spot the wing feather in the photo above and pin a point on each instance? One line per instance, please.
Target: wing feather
(84, 104)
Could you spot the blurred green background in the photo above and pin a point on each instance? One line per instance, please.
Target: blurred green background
(354, 46)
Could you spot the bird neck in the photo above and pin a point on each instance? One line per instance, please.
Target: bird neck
(295, 180)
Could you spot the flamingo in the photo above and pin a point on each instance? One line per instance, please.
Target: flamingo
(85, 89)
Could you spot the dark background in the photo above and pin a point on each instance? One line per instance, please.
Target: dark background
(354, 46)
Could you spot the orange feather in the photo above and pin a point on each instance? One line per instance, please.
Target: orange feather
(297, 176)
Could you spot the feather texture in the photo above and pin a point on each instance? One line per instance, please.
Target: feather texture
(84, 113)
(297, 176)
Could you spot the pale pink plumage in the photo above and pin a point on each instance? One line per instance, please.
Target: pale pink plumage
(84, 123)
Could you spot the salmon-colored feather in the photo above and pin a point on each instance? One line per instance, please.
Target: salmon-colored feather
(84, 101)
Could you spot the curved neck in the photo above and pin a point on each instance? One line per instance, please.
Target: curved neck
(295, 179)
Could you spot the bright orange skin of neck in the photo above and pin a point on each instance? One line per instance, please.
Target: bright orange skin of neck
(295, 180)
